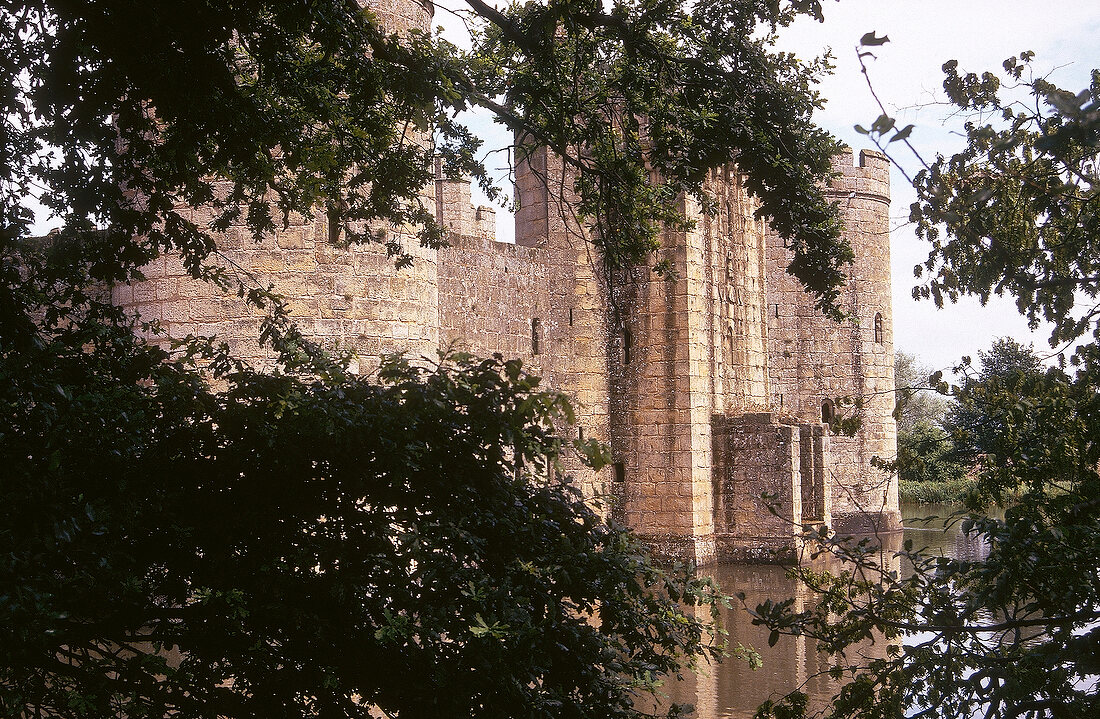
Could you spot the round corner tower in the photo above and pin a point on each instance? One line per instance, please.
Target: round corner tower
(862, 193)
(352, 297)
(820, 369)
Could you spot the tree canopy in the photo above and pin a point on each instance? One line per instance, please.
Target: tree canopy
(1015, 635)
(1008, 367)
(307, 542)
(926, 465)
(116, 112)
(300, 547)
(1019, 204)
(918, 402)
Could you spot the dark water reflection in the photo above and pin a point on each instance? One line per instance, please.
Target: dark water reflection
(733, 690)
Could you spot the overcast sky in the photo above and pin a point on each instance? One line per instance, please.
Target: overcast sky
(980, 34)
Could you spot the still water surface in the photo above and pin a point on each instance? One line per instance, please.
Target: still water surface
(732, 690)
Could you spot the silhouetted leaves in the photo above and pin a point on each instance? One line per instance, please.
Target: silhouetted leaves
(1016, 212)
(870, 39)
(295, 542)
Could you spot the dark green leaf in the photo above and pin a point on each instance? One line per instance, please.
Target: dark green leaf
(869, 39)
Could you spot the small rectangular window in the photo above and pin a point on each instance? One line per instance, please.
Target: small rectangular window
(333, 225)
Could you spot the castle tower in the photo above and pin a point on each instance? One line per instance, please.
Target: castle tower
(712, 386)
(820, 368)
(659, 359)
(351, 297)
(725, 377)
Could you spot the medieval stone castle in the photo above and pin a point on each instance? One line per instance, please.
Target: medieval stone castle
(712, 388)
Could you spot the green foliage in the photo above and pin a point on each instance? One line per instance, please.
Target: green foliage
(1019, 202)
(935, 491)
(1017, 634)
(644, 98)
(927, 466)
(306, 542)
(919, 400)
(974, 422)
(926, 454)
(118, 114)
(300, 546)
(792, 708)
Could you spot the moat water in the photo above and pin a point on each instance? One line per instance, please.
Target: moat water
(731, 690)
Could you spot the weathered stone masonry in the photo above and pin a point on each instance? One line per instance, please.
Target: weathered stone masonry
(711, 387)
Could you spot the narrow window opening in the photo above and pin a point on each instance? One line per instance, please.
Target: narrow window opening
(878, 328)
(620, 472)
(580, 433)
(535, 336)
(570, 316)
(333, 225)
(777, 310)
(827, 412)
(627, 346)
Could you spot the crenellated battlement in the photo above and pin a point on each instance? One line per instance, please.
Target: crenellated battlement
(869, 178)
(455, 212)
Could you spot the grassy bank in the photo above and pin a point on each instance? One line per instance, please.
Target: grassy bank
(934, 492)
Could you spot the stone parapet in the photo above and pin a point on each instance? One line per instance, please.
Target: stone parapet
(868, 175)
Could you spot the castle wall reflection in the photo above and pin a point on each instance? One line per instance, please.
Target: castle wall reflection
(732, 690)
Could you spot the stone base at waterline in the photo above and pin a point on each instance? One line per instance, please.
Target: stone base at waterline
(702, 550)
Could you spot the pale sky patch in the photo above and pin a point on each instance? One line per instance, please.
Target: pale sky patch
(907, 76)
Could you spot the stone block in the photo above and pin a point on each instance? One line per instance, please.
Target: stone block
(295, 237)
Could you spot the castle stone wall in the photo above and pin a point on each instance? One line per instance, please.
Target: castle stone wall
(697, 350)
(493, 297)
(653, 405)
(577, 314)
(353, 298)
(758, 454)
(735, 275)
(401, 16)
(815, 361)
(870, 502)
(708, 385)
